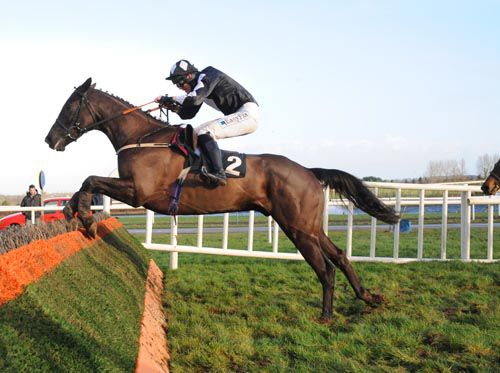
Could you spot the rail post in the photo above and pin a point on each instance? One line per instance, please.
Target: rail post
(395, 254)
(490, 232)
(225, 231)
(350, 218)
(106, 202)
(325, 209)
(199, 236)
(276, 231)
(421, 212)
(444, 224)
(150, 219)
(251, 220)
(174, 256)
(465, 226)
(373, 233)
(270, 229)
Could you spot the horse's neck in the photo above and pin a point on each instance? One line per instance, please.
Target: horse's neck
(126, 129)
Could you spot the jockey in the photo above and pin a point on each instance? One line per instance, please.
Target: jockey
(213, 87)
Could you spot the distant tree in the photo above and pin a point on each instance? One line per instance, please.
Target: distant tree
(5, 203)
(444, 170)
(372, 178)
(485, 164)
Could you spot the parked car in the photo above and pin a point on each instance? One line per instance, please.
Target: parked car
(19, 219)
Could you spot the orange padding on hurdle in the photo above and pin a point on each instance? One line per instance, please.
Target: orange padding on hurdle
(153, 353)
(27, 264)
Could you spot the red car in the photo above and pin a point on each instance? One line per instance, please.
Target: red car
(19, 219)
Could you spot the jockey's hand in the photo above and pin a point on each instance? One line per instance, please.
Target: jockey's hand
(165, 100)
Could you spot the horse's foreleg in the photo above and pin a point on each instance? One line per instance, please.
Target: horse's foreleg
(70, 209)
(119, 189)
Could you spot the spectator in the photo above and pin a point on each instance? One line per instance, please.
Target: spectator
(32, 198)
(97, 199)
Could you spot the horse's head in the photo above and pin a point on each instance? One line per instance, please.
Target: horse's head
(492, 183)
(76, 115)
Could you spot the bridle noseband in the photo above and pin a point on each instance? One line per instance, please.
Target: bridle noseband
(74, 130)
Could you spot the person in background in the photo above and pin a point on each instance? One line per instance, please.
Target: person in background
(32, 198)
(221, 92)
(97, 199)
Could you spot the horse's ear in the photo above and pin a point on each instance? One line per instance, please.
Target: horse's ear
(85, 86)
(92, 86)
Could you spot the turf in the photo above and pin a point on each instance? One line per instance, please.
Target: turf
(82, 317)
(250, 315)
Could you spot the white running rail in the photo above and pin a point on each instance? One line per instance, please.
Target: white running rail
(465, 200)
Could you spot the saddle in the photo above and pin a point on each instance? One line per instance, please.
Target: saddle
(184, 141)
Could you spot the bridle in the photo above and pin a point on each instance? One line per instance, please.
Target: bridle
(494, 175)
(74, 131)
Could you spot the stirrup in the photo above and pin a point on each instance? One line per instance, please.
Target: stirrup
(216, 178)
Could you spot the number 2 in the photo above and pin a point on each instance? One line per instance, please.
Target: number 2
(236, 162)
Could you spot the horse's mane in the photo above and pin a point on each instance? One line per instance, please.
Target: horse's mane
(129, 105)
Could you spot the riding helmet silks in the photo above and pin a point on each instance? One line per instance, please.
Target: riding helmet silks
(180, 69)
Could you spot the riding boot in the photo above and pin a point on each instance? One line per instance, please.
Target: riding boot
(210, 149)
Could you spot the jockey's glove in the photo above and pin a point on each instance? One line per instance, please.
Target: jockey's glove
(169, 103)
(166, 101)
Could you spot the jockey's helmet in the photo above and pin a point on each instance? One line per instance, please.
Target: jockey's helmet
(179, 70)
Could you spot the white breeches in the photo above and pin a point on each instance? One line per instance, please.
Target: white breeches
(243, 122)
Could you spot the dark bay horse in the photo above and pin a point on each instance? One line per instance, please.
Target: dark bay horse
(274, 185)
(492, 183)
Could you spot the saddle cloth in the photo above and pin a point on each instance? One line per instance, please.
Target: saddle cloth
(234, 163)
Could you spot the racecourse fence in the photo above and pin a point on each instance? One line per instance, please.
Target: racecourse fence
(463, 198)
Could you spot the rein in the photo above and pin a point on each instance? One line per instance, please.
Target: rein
(74, 131)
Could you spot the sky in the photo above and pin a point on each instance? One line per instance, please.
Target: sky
(374, 88)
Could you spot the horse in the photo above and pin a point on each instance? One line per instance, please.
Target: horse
(492, 183)
(274, 185)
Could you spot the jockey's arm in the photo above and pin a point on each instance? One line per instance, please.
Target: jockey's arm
(187, 112)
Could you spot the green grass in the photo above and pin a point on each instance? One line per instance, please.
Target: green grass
(82, 317)
(250, 315)
(229, 314)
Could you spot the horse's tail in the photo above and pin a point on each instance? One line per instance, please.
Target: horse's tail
(355, 191)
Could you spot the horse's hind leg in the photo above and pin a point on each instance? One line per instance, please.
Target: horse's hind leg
(309, 247)
(338, 257)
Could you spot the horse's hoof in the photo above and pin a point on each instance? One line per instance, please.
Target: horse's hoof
(92, 230)
(75, 224)
(90, 226)
(325, 319)
(68, 213)
(374, 300)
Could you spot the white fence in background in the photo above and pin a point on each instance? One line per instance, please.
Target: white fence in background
(466, 202)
